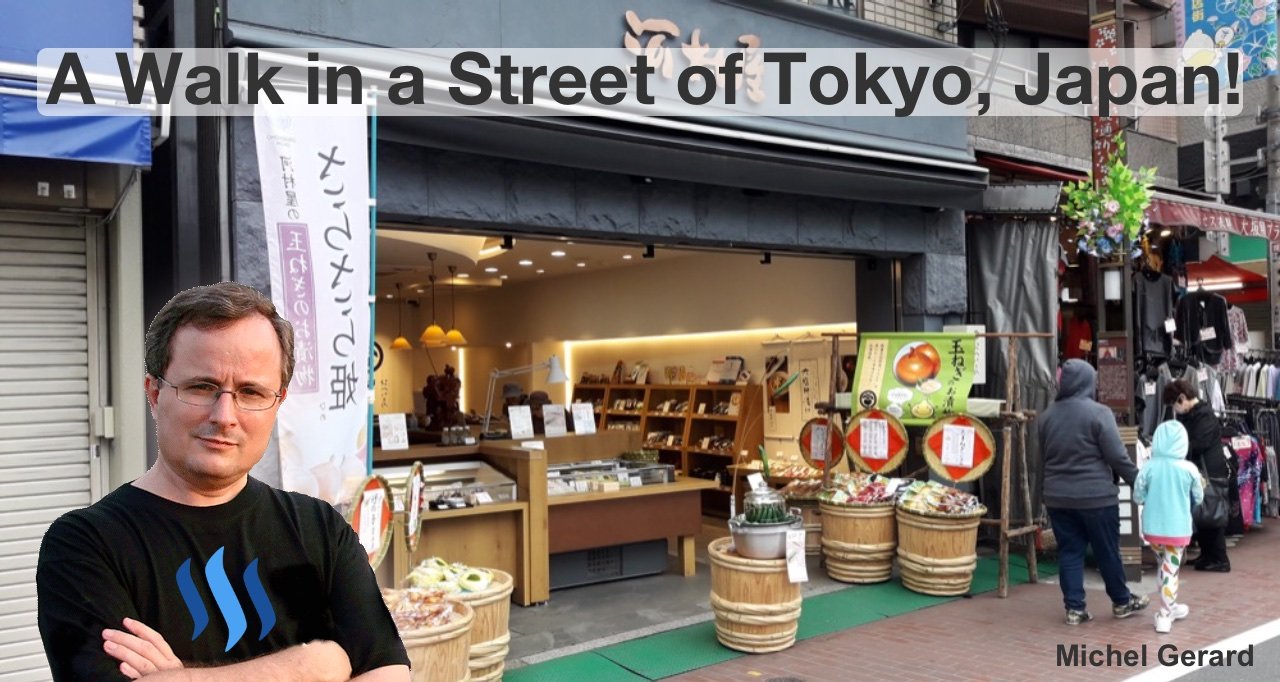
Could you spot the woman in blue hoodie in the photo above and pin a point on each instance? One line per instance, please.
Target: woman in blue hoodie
(1168, 486)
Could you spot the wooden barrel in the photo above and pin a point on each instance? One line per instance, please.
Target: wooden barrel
(812, 519)
(937, 554)
(757, 607)
(858, 542)
(440, 654)
(490, 638)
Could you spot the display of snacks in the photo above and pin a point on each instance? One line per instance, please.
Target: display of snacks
(414, 609)
(929, 497)
(438, 574)
(454, 485)
(860, 489)
(803, 489)
(650, 456)
(605, 476)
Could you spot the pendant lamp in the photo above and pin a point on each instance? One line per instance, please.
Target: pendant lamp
(400, 343)
(454, 337)
(433, 335)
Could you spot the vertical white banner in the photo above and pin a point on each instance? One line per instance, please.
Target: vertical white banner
(314, 173)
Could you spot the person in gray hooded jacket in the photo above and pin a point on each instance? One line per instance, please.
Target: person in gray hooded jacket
(1081, 455)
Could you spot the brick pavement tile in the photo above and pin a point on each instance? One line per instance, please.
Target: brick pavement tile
(1017, 638)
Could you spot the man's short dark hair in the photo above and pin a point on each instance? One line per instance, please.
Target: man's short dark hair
(1179, 387)
(213, 307)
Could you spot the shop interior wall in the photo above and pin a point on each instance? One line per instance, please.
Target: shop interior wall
(697, 293)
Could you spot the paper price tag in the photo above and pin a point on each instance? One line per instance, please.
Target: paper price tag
(1208, 334)
(1170, 326)
(873, 437)
(1202, 374)
(957, 445)
(819, 443)
(636, 482)
(1149, 388)
(483, 498)
(1241, 443)
(797, 570)
(371, 520)
(756, 481)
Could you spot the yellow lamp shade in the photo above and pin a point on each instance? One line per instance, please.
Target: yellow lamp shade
(455, 338)
(400, 343)
(432, 336)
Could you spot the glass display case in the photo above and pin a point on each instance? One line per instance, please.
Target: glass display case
(607, 475)
(456, 485)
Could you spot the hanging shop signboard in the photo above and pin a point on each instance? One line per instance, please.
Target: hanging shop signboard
(959, 448)
(877, 440)
(370, 515)
(914, 377)
(1115, 377)
(821, 443)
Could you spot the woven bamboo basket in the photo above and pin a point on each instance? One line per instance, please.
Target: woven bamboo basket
(440, 654)
(757, 607)
(937, 554)
(858, 542)
(490, 638)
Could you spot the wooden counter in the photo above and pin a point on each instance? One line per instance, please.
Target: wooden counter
(519, 537)
(652, 512)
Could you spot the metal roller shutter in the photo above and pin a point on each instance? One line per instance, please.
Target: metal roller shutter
(46, 381)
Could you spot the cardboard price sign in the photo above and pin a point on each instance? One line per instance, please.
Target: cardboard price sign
(959, 448)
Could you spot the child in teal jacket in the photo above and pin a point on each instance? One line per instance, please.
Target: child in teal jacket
(1168, 486)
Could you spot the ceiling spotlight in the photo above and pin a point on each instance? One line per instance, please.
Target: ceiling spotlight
(626, 256)
(390, 296)
(558, 254)
(491, 270)
(526, 262)
(540, 271)
(502, 276)
(582, 264)
(508, 344)
(648, 251)
(464, 275)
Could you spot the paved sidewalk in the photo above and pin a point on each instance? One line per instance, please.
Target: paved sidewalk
(988, 638)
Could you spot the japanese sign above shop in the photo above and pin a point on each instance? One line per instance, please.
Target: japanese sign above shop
(914, 377)
(1246, 25)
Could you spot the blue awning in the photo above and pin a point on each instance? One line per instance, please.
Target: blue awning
(106, 139)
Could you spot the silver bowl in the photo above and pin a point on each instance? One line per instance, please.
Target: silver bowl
(762, 540)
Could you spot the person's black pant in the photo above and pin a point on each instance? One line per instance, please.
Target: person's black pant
(1213, 545)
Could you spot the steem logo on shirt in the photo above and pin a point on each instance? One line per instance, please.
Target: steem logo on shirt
(224, 596)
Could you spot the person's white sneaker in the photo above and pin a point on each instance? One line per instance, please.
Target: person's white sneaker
(1180, 611)
(1163, 624)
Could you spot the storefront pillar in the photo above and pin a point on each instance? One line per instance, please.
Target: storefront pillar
(935, 284)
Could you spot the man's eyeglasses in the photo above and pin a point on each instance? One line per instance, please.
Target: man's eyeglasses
(204, 394)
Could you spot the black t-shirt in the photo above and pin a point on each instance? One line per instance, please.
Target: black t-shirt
(263, 572)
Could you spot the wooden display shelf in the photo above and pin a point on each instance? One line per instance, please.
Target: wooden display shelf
(715, 417)
(681, 485)
(478, 510)
(696, 451)
(667, 415)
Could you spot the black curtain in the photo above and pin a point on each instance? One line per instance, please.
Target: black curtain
(1013, 287)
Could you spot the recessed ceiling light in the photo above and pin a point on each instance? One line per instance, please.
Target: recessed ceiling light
(502, 276)
(464, 275)
(540, 271)
(508, 344)
(422, 291)
(626, 256)
(558, 254)
(490, 269)
(581, 264)
(388, 295)
(526, 262)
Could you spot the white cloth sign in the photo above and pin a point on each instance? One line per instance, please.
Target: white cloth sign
(314, 174)
(370, 532)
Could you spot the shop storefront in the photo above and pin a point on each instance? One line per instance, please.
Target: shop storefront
(71, 412)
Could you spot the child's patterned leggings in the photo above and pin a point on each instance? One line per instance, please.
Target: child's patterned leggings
(1169, 559)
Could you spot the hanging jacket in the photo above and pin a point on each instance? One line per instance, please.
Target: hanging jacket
(1080, 445)
(1168, 486)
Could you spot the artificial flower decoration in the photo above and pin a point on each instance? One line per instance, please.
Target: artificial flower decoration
(1113, 213)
